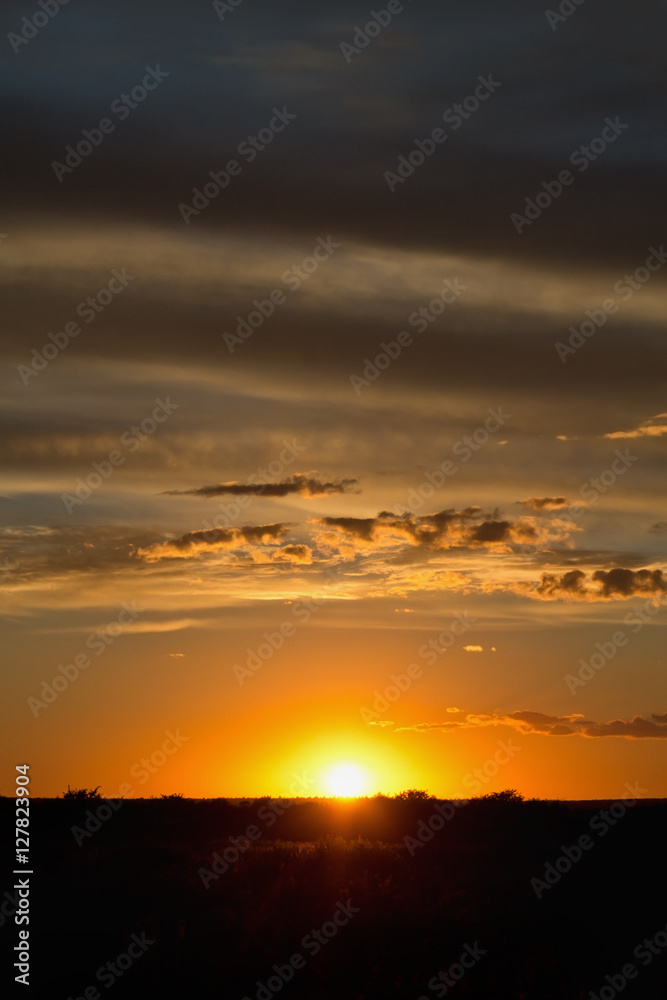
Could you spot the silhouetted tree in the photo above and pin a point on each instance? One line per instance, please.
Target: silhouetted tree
(509, 796)
(82, 794)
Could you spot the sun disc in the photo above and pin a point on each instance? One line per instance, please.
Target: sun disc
(346, 781)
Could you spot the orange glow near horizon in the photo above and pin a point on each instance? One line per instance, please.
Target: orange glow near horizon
(343, 764)
(289, 744)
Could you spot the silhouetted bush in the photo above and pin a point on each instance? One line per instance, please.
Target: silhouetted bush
(82, 794)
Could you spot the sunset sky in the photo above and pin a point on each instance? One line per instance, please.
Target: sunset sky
(202, 455)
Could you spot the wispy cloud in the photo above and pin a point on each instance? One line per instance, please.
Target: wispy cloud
(533, 723)
(299, 484)
(544, 503)
(654, 427)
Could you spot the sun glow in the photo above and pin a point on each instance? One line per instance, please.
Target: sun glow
(343, 764)
(346, 781)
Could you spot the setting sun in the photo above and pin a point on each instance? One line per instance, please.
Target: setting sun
(346, 781)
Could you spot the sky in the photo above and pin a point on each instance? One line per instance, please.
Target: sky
(333, 398)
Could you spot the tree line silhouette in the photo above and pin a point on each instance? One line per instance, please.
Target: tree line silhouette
(465, 883)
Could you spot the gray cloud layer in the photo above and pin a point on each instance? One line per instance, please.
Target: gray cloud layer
(297, 484)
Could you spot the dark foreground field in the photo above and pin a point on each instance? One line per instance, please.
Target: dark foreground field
(495, 898)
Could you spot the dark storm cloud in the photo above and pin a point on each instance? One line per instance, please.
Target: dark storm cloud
(490, 532)
(359, 527)
(298, 484)
(468, 528)
(620, 582)
(353, 121)
(496, 352)
(33, 552)
(569, 585)
(614, 584)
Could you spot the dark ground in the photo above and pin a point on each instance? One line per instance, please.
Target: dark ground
(406, 909)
